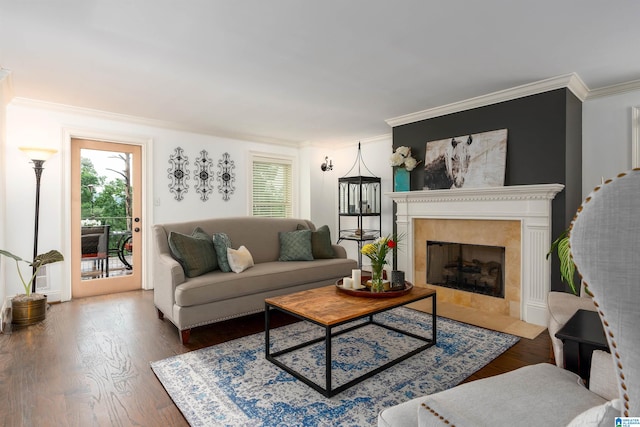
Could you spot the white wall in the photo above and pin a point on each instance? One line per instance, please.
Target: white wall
(321, 189)
(30, 123)
(39, 125)
(4, 100)
(606, 137)
(191, 207)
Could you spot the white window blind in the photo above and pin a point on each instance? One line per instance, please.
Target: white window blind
(272, 188)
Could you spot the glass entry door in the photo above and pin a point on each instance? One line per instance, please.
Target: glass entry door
(106, 221)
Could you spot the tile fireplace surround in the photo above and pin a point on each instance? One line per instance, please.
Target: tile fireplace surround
(516, 217)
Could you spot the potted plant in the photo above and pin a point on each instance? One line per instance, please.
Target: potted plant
(29, 308)
(567, 267)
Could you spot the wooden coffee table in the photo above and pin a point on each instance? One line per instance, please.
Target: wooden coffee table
(329, 308)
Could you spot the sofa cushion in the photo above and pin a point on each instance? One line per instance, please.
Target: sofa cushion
(195, 253)
(295, 246)
(219, 286)
(321, 246)
(221, 243)
(259, 235)
(239, 259)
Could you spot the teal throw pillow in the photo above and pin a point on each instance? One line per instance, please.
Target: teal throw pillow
(295, 245)
(195, 253)
(321, 246)
(221, 242)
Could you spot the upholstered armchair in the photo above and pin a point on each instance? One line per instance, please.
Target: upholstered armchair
(605, 245)
(562, 306)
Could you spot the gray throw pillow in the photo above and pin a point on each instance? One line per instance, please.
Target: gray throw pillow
(295, 245)
(321, 246)
(221, 242)
(195, 253)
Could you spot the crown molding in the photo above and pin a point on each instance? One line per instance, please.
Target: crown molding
(577, 87)
(377, 138)
(316, 144)
(616, 89)
(143, 121)
(365, 141)
(344, 144)
(571, 81)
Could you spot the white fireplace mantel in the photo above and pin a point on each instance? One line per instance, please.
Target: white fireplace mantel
(529, 204)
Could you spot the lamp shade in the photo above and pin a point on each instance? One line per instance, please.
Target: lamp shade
(35, 153)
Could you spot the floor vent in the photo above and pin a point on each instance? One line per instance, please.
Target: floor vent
(42, 284)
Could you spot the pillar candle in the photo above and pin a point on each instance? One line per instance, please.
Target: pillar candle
(356, 276)
(346, 283)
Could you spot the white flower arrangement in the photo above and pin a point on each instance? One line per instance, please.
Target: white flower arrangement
(402, 157)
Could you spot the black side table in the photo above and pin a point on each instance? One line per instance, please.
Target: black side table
(581, 335)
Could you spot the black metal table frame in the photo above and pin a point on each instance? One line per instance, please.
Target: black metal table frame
(328, 391)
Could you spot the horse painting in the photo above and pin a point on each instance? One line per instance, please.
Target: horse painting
(450, 168)
(458, 161)
(472, 161)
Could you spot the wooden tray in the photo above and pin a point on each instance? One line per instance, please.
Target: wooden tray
(366, 292)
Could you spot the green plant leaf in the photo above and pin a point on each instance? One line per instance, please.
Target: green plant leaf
(39, 261)
(10, 255)
(47, 258)
(567, 267)
(554, 245)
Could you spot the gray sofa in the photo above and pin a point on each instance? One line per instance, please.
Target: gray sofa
(189, 302)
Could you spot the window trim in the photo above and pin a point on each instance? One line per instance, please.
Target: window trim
(274, 158)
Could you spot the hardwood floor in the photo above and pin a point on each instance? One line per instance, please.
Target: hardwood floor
(87, 364)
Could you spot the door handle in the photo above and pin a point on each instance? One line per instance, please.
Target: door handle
(136, 219)
(137, 229)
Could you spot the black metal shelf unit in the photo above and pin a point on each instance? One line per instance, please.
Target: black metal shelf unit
(359, 208)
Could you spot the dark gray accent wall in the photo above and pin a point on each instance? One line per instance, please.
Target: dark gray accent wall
(544, 146)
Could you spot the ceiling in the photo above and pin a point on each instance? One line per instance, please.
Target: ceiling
(314, 71)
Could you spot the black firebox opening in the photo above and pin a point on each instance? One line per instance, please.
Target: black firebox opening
(471, 268)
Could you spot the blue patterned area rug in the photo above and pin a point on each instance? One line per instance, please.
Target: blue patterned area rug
(233, 384)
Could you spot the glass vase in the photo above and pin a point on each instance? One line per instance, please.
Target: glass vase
(377, 282)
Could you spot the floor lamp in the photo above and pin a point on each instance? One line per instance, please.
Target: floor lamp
(38, 156)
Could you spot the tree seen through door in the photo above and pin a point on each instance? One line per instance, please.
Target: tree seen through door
(106, 212)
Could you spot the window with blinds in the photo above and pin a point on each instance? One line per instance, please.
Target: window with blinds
(272, 188)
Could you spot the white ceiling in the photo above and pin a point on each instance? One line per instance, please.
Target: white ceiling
(325, 71)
